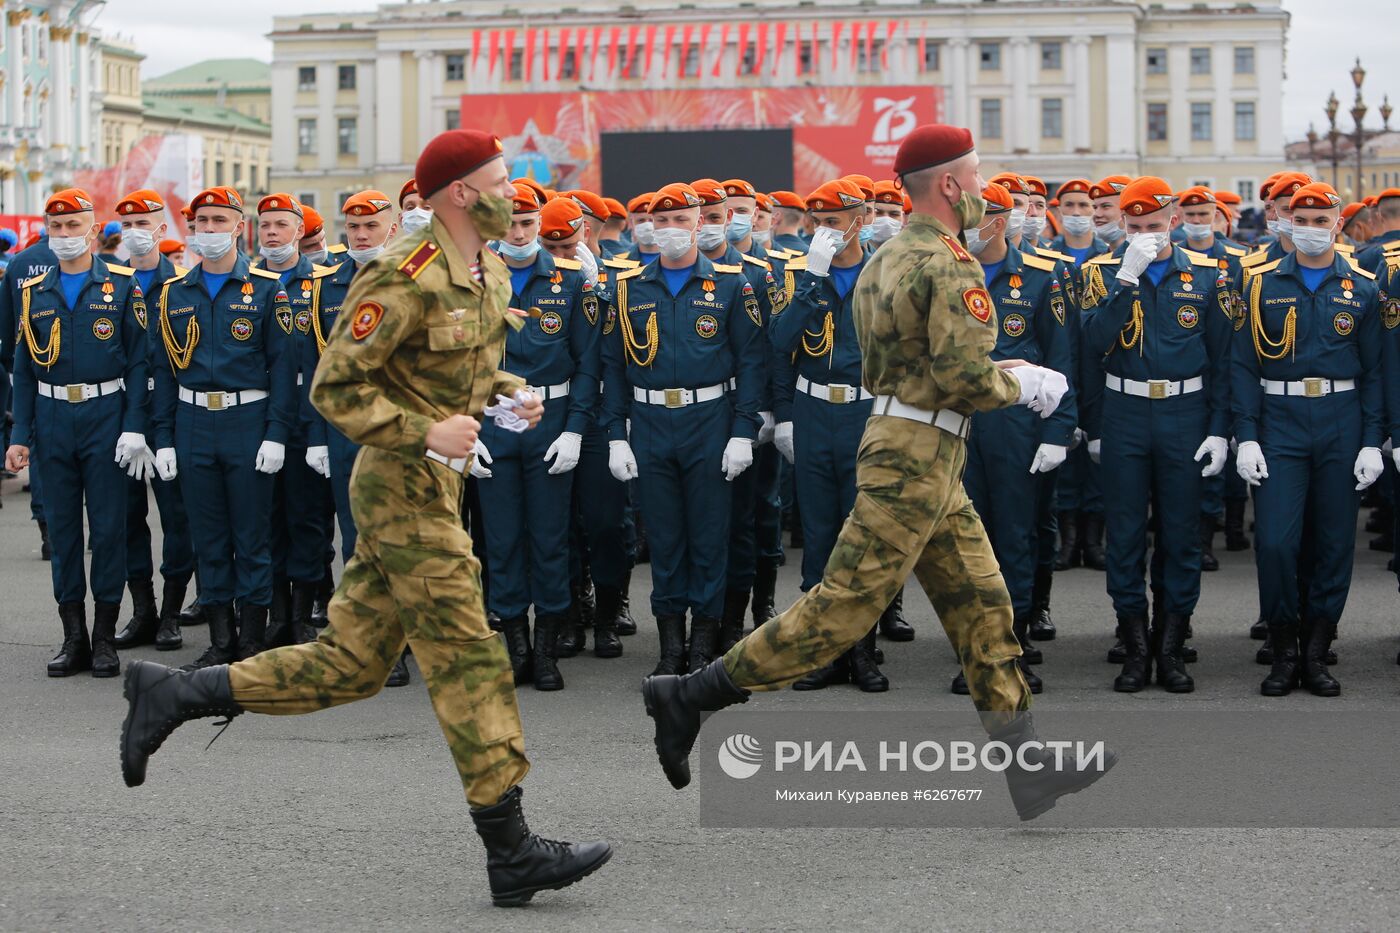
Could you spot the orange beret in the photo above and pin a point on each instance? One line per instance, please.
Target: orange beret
(1388, 193)
(171, 246)
(1145, 195)
(674, 197)
(1287, 184)
(711, 192)
(932, 144)
(640, 203)
(187, 212)
(887, 193)
(590, 203)
(549, 195)
(998, 199)
(451, 155)
(365, 203)
(144, 201)
(526, 200)
(1266, 184)
(1225, 209)
(839, 195)
(68, 201)
(1369, 200)
(738, 188)
(1352, 209)
(409, 187)
(615, 207)
(908, 205)
(221, 196)
(1227, 197)
(1112, 184)
(1195, 196)
(1053, 202)
(788, 199)
(864, 183)
(765, 203)
(538, 188)
(561, 219)
(312, 220)
(1011, 182)
(1036, 185)
(1075, 186)
(280, 201)
(1318, 194)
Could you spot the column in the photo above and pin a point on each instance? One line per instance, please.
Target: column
(365, 82)
(1122, 71)
(388, 94)
(1022, 126)
(326, 154)
(1222, 69)
(1268, 108)
(284, 118)
(83, 50)
(61, 97)
(959, 105)
(1080, 129)
(427, 89)
(1179, 105)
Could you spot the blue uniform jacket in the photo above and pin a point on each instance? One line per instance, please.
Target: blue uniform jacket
(26, 264)
(329, 287)
(815, 337)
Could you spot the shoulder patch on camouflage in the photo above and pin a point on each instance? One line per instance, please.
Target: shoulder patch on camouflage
(722, 267)
(367, 318)
(1361, 271)
(756, 261)
(418, 260)
(264, 274)
(568, 264)
(120, 270)
(978, 303)
(1052, 254)
(957, 249)
(1039, 262)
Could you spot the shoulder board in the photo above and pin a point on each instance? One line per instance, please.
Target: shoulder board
(1258, 256)
(1366, 273)
(1052, 254)
(619, 263)
(420, 259)
(1392, 247)
(721, 267)
(1201, 259)
(630, 273)
(1234, 251)
(1103, 259)
(120, 270)
(957, 249)
(758, 262)
(1044, 263)
(1346, 248)
(797, 262)
(34, 281)
(1392, 262)
(568, 264)
(179, 274)
(263, 273)
(337, 248)
(179, 271)
(1257, 269)
(319, 271)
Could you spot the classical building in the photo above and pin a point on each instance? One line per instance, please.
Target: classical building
(119, 77)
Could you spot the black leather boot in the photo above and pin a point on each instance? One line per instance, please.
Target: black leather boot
(731, 624)
(45, 552)
(319, 606)
(520, 864)
(675, 704)
(279, 617)
(193, 614)
(865, 673)
(145, 620)
(1042, 626)
(626, 625)
(105, 662)
(606, 644)
(1207, 532)
(671, 628)
(1069, 554)
(1032, 775)
(76, 654)
(1259, 630)
(1315, 674)
(159, 699)
(704, 637)
(1093, 541)
(892, 624)
(1265, 654)
(168, 637)
(1020, 627)
(1119, 652)
(1171, 667)
(304, 596)
(398, 674)
(223, 638)
(252, 630)
(1235, 538)
(1137, 666)
(1284, 675)
(549, 626)
(522, 661)
(828, 675)
(573, 637)
(765, 584)
(1030, 653)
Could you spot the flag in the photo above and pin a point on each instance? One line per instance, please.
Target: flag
(614, 36)
(742, 47)
(923, 51)
(700, 53)
(593, 52)
(760, 47)
(495, 49)
(651, 47)
(529, 62)
(666, 53)
(476, 47)
(779, 39)
(631, 71)
(890, 28)
(836, 28)
(723, 43)
(507, 52)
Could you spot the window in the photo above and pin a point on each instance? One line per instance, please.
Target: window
(1156, 122)
(1052, 118)
(1203, 183)
(931, 52)
(340, 200)
(804, 54)
(307, 198)
(991, 118)
(1200, 60)
(306, 136)
(870, 64)
(454, 119)
(1246, 189)
(990, 53)
(237, 174)
(347, 136)
(1156, 61)
(306, 78)
(1200, 121)
(456, 68)
(1244, 120)
(517, 65)
(751, 56)
(218, 173)
(345, 77)
(1244, 59)
(1051, 56)
(569, 70)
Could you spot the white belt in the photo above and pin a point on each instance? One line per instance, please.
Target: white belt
(545, 393)
(678, 398)
(836, 394)
(1309, 388)
(1155, 388)
(945, 419)
(456, 464)
(81, 391)
(218, 401)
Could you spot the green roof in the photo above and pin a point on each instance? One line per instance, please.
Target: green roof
(164, 108)
(214, 73)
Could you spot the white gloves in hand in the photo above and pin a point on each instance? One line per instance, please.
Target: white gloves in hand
(1140, 254)
(319, 459)
(590, 264)
(1249, 463)
(564, 452)
(480, 458)
(1041, 388)
(1048, 457)
(134, 456)
(621, 464)
(1077, 438)
(1369, 467)
(765, 431)
(1096, 449)
(782, 439)
(738, 457)
(271, 456)
(826, 243)
(165, 463)
(1218, 449)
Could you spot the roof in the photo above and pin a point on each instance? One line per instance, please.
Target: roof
(176, 111)
(213, 73)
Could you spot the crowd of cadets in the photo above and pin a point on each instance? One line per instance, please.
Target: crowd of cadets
(692, 414)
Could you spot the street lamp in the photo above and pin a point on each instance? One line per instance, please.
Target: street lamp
(1358, 113)
(1332, 132)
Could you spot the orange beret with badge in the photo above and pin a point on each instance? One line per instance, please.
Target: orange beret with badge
(842, 194)
(908, 205)
(1036, 185)
(453, 155)
(615, 207)
(763, 201)
(1266, 184)
(366, 203)
(221, 196)
(170, 247)
(931, 144)
(280, 201)
(526, 199)
(68, 201)
(312, 220)
(561, 219)
(788, 199)
(590, 203)
(711, 192)
(640, 203)
(144, 201)
(1145, 195)
(998, 199)
(1110, 187)
(409, 187)
(887, 193)
(1075, 186)
(538, 188)
(1227, 197)
(1288, 184)
(1011, 182)
(864, 183)
(1195, 196)
(1387, 194)
(1369, 200)
(674, 197)
(738, 188)
(1318, 194)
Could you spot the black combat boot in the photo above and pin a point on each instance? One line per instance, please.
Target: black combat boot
(549, 626)
(1032, 775)
(1070, 554)
(675, 704)
(1137, 665)
(1020, 627)
(828, 675)
(159, 699)
(145, 620)
(105, 662)
(279, 617)
(1235, 539)
(765, 583)
(865, 673)
(892, 624)
(731, 624)
(1093, 541)
(1119, 652)
(959, 684)
(520, 864)
(522, 661)
(252, 630)
(1042, 626)
(573, 636)
(1265, 654)
(1284, 675)
(671, 628)
(1030, 653)
(76, 654)
(223, 637)
(704, 637)
(302, 626)
(398, 674)
(45, 552)
(168, 637)
(1315, 674)
(1207, 534)
(319, 607)
(193, 614)
(606, 644)
(626, 625)
(1171, 667)
(1259, 630)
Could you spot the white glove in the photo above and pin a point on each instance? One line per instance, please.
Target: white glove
(738, 457)
(1041, 388)
(1249, 463)
(142, 466)
(765, 431)
(826, 243)
(1096, 449)
(1139, 255)
(504, 416)
(1218, 450)
(271, 456)
(1077, 438)
(782, 439)
(130, 446)
(165, 463)
(480, 457)
(319, 459)
(564, 452)
(1396, 455)
(621, 464)
(1369, 467)
(1048, 457)
(589, 263)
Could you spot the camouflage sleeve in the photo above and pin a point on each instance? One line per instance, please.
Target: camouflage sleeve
(960, 337)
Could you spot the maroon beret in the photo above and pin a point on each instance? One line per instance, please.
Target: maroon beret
(451, 155)
(932, 144)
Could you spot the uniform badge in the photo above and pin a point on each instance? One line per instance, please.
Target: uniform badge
(1347, 286)
(706, 326)
(1014, 325)
(107, 289)
(1057, 308)
(1343, 323)
(284, 318)
(367, 318)
(751, 306)
(304, 320)
(138, 307)
(102, 329)
(551, 322)
(590, 308)
(1241, 311)
(247, 290)
(1390, 313)
(611, 321)
(241, 328)
(978, 303)
(1187, 316)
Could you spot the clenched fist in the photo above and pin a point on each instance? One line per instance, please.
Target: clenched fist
(454, 437)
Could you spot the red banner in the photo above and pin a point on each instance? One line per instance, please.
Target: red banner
(651, 47)
(723, 43)
(529, 67)
(742, 48)
(476, 50)
(836, 26)
(24, 225)
(779, 38)
(670, 40)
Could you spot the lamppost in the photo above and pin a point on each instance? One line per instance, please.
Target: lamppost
(1358, 113)
(1332, 132)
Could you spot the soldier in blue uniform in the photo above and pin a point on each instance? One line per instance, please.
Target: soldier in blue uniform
(1309, 404)
(1160, 333)
(414, 213)
(643, 249)
(223, 409)
(681, 329)
(789, 212)
(1385, 224)
(526, 489)
(80, 373)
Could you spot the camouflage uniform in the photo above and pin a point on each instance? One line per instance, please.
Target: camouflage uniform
(420, 341)
(926, 329)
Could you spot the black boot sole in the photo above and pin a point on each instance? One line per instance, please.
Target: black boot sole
(678, 779)
(521, 896)
(130, 773)
(1086, 778)
(70, 672)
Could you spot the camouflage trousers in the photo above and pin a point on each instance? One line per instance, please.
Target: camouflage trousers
(910, 515)
(412, 578)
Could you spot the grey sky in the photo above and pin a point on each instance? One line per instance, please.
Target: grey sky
(1324, 39)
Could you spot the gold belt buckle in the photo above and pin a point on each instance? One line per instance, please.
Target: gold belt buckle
(76, 393)
(214, 401)
(836, 394)
(1157, 388)
(1312, 388)
(675, 398)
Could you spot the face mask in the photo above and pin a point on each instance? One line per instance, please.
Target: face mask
(368, 254)
(971, 210)
(1033, 226)
(213, 246)
(1015, 223)
(673, 242)
(975, 243)
(763, 237)
(1198, 231)
(519, 253)
(277, 254)
(491, 214)
(138, 241)
(319, 256)
(68, 247)
(192, 247)
(711, 236)
(867, 233)
(1158, 240)
(1077, 224)
(1109, 231)
(740, 226)
(417, 219)
(1272, 226)
(884, 229)
(1285, 227)
(645, 233)
(1312, 241)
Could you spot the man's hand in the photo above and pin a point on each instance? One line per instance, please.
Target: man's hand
(1217, 449)
(166, 467)
(782, 439)
(1096, 449)
(529, 407)
(1048, 457)
(1138, 256)
(1041, 388)
(564, 452)
(1010, 364)
(1249, 463)
(481, 458)
(765, 431)
(319, 459)
(16, 458)
(271, 456)
(1369, 467)
(738, 457)
(621, 463)
(453, 437)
